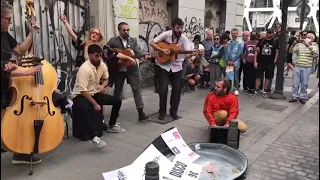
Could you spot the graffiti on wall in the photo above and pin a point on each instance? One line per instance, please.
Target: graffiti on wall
(56, 43)
(153, 20)
(127, 11)
(193, 26)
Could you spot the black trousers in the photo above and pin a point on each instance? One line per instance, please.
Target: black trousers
(164, 78)
(133, 78)
(242, 68)
(156, 79)
(85, 109)
(250, 74)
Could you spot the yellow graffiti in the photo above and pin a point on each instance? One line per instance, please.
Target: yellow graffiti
(129, 11)
(130, 1)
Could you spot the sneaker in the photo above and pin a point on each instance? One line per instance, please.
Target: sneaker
(98, 142)
(293, 100)
(25, 159)
(265, 94)
(116, 129)
(303, 101)
(169, 87)
(236, 92)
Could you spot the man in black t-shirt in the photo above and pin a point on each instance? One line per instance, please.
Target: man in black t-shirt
(9, 46)
(266, 57)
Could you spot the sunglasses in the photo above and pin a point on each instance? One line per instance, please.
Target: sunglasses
(304, 34)
(126, 30)
(7, 18)
(269, 32)
(95, 33)
(216, 38)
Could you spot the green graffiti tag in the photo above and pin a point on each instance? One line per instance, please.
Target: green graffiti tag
(129, 10)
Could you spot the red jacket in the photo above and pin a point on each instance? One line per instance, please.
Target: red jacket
(214, 103)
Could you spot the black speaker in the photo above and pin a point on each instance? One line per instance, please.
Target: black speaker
(80, 124)
(219, 134)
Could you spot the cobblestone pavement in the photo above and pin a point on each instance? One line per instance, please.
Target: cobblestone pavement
(294, 155)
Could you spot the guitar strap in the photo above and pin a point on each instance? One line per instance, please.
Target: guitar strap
(175, 42)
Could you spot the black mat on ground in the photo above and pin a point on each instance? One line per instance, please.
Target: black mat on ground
(272, 107)
(155, 118)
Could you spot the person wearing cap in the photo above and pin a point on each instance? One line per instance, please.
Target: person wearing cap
(266, 56)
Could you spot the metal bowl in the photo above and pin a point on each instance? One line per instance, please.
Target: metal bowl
(229, 163)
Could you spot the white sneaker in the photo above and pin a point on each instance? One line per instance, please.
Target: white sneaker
(116, 129)
(169, 87)
(98, 142)
(236, 92)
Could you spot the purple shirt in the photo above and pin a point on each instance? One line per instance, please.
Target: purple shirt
(174, 66)
(249, 50)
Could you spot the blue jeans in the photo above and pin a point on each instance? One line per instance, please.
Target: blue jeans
(300, 80)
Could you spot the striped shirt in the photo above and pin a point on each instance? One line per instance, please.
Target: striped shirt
(305, 55)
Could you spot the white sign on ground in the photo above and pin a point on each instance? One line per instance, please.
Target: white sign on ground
(178, 146)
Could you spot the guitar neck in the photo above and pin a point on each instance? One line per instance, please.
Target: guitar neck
(184, 52)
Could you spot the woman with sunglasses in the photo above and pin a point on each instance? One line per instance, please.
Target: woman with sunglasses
(95, 36)
(217, 52)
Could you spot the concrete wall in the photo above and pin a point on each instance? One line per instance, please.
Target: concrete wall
(234, 14)
(192, 13)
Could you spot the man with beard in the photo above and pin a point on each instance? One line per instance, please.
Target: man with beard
(171, 71)
(88, 94)
(221, 106)
(118, 75)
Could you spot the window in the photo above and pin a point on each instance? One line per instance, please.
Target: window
(261, 3)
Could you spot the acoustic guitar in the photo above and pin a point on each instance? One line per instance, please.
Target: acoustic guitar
(128, 52)
(175, 49)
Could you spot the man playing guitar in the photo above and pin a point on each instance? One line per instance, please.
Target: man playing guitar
(171, 71)
(131, 73)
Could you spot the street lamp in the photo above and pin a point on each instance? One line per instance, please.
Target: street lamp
(278, 92)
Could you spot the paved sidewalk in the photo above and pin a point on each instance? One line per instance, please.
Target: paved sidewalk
(294, 155)
(267, 120)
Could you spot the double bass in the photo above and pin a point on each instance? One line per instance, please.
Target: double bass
(32, 124)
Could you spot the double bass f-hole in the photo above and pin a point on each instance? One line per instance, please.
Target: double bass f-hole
(33, 103)
(22, 105)
(48, 105)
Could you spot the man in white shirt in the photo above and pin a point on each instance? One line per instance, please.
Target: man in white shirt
(91, 80)
(171, 71)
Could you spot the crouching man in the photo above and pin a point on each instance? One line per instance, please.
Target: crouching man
(221, 106)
